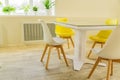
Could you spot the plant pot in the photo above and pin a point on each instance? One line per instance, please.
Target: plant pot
(35, 12)
(48, 12)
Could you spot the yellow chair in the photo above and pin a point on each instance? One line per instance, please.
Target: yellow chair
(64, 32)
(102, 35)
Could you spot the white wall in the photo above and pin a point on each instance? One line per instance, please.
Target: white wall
(11, 28)
(87, 8)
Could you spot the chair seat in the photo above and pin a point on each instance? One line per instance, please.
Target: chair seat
(69, 34)
(98, 39)
(57, 41)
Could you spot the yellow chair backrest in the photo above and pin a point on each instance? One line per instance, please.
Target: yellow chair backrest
(111, 22)
(62, 29)
(106, 33)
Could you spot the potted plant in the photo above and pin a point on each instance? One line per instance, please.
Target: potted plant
(35, 9)
(8, 9)
(26, 9)
(48, 5)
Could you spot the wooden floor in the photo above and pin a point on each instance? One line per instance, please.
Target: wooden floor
(23, 63)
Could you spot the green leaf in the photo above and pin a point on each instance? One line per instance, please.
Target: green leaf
(48, 4)
(8, 9)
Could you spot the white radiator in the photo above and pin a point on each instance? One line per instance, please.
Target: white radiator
(34, 31)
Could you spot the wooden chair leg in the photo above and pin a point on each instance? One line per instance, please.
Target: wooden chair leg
(109, 69)
(64, 55)
(44, 52)
(72, 41)
(95, 65)
(91, 49)
(68, 43)
(48, 58)
(58, 52)
(102, 45)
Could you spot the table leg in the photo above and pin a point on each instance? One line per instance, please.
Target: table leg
(79, 50)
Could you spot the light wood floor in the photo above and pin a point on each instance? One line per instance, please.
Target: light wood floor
(23, 63)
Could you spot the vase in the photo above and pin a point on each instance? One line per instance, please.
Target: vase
(48, 12)
(35, 12)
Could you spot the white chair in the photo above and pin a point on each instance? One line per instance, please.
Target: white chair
(50, 43)
(110, 52)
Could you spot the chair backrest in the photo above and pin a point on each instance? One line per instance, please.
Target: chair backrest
(112, 48)
(106, 33)
(111, 22)
(46, 32)
(62, 29)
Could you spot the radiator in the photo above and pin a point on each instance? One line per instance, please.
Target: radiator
(34, 31)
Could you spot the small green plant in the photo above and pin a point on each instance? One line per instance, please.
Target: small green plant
(26, 8)
(8, 9)
(35, 8)
(48, 4)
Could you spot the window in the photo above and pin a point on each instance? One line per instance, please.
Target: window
(24, 7)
